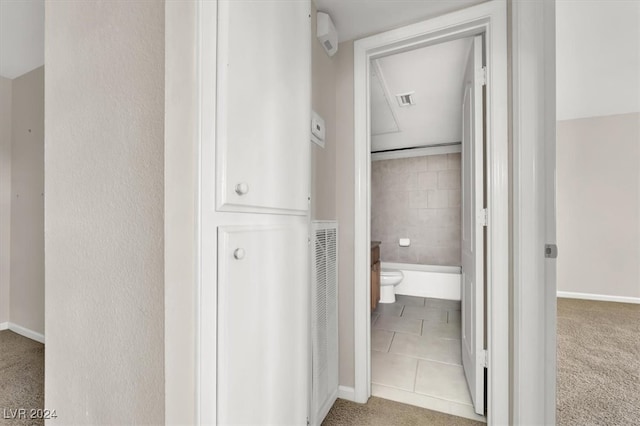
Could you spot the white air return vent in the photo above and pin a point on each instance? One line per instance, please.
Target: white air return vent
(324, 320)
(405, 99)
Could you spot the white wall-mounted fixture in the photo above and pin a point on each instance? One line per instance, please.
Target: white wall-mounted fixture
(326, 33)
(405, 99)
(317, 129)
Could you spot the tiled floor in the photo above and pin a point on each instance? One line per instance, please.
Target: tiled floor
(416, 355)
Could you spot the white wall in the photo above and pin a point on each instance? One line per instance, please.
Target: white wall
(21, 37)
(5, 196)
(323, 101)
(598, 164)
(598, 57)
(27, 202)
(180, 227)
(345, 207)
(22, 203)
(104, 211)
(599, 205)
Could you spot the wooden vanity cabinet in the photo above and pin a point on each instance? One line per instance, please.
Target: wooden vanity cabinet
(375, 276)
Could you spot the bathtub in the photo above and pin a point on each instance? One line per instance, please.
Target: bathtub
(438, 282)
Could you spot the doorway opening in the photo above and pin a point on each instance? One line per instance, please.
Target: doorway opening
(486, 23)
(427, 187)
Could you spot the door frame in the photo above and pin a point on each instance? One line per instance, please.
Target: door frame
(490, 19)
(534, 175)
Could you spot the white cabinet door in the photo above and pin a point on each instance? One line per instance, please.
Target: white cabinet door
(263, 106)
(472, 227)
(263, 324)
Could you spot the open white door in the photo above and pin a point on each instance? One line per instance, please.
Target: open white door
(473, 222)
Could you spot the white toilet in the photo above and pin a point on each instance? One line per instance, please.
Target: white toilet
(389, 279)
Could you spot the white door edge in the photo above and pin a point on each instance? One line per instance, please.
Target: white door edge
(474, 219)
(534, 346)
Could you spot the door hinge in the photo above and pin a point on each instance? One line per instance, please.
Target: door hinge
(308, 423)
(482, 76)
(483, 217)
(485, 358)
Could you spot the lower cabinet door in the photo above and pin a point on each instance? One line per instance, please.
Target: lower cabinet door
(263, 325)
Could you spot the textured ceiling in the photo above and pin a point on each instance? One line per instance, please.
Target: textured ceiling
(21, 36)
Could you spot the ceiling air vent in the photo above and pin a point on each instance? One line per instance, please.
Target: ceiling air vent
(405, 99)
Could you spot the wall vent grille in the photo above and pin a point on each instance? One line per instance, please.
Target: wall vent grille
(405, 99)
(324, 318)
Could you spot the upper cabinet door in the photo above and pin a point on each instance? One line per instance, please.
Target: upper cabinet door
(263, 106)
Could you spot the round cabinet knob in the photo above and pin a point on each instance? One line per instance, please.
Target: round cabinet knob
(239, 253)
(242, 188)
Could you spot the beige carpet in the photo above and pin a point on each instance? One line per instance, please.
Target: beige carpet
(21, 377)
(381, 412)
(598, 363)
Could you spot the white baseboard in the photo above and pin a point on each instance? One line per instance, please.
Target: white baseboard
(599, 297)
(4, 326)
(30, 334)
(346, 392)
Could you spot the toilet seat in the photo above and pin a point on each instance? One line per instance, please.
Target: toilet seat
(390, 276)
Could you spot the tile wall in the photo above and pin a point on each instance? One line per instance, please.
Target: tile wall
(417, 198)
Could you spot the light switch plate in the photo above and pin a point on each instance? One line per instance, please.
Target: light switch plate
(317, 129)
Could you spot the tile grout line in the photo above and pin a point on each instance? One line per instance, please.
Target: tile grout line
(418, 360)
(440, 398)
(415, 377)
(391, 342)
